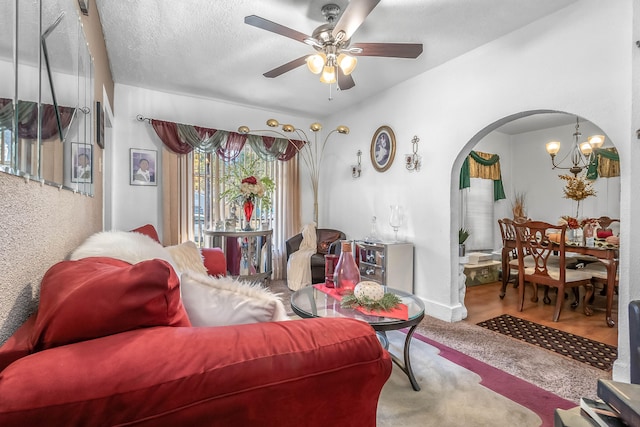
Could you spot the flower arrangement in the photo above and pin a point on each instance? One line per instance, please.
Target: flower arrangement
(241, 183)
(251, 188)
(577, 187)
(571, 222)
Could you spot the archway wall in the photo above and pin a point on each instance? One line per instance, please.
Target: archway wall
(577, 60)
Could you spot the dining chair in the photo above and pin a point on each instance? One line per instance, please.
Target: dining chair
(509, 254)
(532, 239)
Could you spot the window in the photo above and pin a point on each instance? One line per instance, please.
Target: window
(478, 214)
(216, 183)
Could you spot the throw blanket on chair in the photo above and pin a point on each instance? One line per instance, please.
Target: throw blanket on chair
(299, 264)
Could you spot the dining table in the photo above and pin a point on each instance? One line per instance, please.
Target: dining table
(609, 253)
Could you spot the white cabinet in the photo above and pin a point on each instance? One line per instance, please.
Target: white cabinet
(390, 264)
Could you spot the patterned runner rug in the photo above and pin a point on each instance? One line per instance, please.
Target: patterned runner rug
(594, 353)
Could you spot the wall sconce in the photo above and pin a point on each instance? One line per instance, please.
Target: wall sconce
(356, 170)
(413, 161)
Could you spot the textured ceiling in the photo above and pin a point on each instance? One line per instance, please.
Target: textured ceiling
(204, 48)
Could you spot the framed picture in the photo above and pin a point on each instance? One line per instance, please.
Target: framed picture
(81, 159)
(383, 148)
(143, 166)
(99, 125)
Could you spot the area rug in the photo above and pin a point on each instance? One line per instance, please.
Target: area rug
(458, 390)
(593, 353)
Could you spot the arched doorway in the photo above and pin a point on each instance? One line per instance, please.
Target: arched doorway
(527, 171)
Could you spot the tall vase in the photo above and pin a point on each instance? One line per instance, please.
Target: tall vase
(248, 212)
(346, 274)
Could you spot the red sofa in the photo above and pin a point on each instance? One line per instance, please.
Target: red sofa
(111, 344)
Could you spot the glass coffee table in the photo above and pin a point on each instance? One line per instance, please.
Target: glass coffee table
(310, 302)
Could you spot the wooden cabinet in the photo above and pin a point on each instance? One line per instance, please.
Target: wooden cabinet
(390, 264)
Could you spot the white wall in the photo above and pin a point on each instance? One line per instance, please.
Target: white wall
(542, 66)
(545, 65)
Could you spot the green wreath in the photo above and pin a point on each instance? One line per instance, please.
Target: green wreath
(388, 302)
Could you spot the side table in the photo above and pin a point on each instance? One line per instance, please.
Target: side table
(247, 253)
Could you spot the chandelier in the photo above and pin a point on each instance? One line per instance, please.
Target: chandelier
(580, 154)
(311, 153)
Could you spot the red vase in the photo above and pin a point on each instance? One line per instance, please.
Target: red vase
(248, 211)
(347, 273)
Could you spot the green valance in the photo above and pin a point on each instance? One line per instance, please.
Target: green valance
(465, 174)
(609, 154)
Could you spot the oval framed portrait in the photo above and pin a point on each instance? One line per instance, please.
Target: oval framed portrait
(383, 148)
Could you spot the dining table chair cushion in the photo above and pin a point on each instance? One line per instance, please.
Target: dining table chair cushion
(554, 261)
(570, 275)
(597, 270)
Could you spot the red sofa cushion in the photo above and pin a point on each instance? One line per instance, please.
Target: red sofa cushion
(328, 371)
(94, 297)
(18, 345)
(148, 230)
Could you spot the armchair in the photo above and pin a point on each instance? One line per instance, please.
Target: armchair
(325, 238)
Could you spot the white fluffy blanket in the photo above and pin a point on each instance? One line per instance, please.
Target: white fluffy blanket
(123, 245)
(299, 264)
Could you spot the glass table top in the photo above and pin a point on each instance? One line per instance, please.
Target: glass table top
(311, 302)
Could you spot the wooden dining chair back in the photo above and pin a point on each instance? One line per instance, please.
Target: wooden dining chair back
(532, 238)
(509, 253)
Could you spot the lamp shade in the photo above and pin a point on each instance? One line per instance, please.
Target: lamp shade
(315, 63)
(347, 63)
(328, 74)
(585, 148)
(596, 141)
(553, 147)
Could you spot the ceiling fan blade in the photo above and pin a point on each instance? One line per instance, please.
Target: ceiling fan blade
(265, 24)
(394, 50)
(286, 67)
(344, 82)
(353, 16)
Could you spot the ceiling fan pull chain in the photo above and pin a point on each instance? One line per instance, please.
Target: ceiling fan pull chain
(330, 97)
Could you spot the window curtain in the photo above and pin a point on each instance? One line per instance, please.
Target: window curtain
(483, 165)
(176, 198)
(182, 139)
(28, 118)
(288, 213)
(178, 188)
(605, 164)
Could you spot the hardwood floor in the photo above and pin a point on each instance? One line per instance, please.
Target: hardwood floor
(483, 302)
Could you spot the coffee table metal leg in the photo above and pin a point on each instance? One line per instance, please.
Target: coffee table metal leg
(406, 367)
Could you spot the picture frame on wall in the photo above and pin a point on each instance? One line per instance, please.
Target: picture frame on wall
(383, 148)
(81, 162)
(99, 125)
(143, 170)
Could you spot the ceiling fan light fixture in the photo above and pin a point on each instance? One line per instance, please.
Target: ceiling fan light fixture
(315, 63)
(328, 74)
(347, 63)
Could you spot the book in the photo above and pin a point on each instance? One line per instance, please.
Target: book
(574, 417)
(601, 413)
(624, 398)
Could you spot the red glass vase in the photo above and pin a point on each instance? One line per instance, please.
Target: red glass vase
(347, 274)
(248, 211)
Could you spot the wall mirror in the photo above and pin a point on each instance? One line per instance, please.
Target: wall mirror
(49, 134)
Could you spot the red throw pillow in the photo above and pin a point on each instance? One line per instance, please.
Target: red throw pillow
(95, 297)
(148, 230)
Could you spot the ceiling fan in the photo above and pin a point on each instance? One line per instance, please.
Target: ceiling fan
(335, 58)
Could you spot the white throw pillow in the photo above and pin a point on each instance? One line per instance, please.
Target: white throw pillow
(187, 257)
(125, 246)
(220, 301)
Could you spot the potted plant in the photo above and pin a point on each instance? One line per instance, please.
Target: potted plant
(463, 235)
